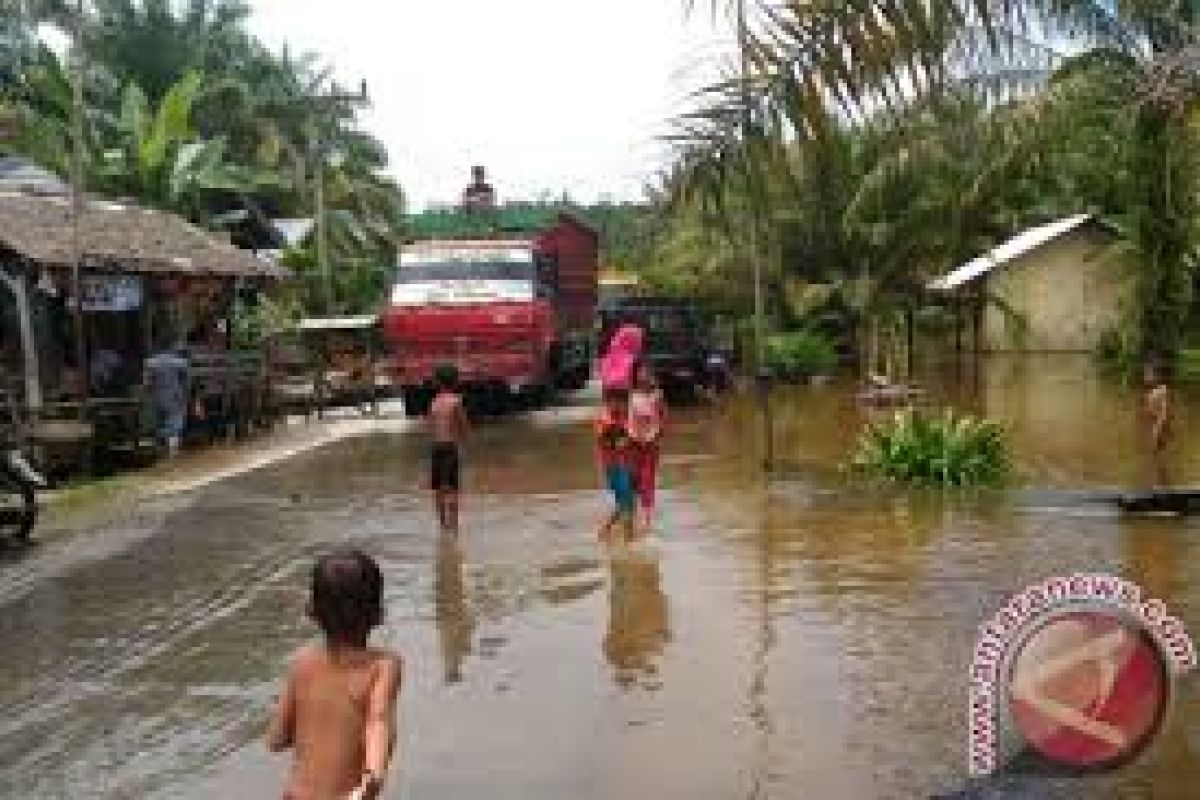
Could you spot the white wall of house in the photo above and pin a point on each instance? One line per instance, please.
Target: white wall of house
(1067, 292)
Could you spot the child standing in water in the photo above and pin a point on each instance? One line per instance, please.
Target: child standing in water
(1156, 411)
(448, 428)
(614, 455)
(647, 418)
(338, 706)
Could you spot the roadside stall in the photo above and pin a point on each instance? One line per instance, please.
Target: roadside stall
(149, 281)
(329, 361)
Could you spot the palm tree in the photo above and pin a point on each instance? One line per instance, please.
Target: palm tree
(155, 43)
(817, 65)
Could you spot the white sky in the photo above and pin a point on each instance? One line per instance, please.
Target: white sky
(550, 95)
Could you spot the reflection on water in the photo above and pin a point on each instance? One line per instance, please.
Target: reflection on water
(455, 624)
(638, 626)
(804, 637)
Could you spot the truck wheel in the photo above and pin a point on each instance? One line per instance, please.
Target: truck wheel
(25, 526)
(539, 396)
(19, 517)
(415, 403)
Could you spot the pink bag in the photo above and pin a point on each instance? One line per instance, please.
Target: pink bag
(624, 350)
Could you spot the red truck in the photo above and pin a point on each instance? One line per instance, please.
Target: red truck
(508, 298)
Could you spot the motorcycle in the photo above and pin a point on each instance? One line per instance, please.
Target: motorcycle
(19, 485)
(720, 374)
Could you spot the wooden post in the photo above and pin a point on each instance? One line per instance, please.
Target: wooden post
(977, 321)
(958, 326)
(910, 333)
(79, 73)
(371, 376)
(33, 384)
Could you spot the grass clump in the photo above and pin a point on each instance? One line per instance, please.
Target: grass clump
(947, 449)
(800, 354)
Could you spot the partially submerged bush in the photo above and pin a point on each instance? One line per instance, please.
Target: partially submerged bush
(947, 450)
(1187, 364)
(800, 354)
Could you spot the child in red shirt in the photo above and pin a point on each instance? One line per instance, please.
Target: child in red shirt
(614, 453)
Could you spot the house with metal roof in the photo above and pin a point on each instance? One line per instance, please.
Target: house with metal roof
(1051, 288)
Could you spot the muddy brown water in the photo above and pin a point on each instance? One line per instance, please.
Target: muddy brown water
(807, 638)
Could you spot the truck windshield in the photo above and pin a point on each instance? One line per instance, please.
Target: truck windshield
(416, 272)
(465, 275)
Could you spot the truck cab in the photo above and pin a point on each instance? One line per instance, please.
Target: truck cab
(507, 295)
(484, 306)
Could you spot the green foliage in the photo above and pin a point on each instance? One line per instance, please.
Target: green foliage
(946, 450)
(800, 354)
(853, 169)
(252, 324)
(1187, 364)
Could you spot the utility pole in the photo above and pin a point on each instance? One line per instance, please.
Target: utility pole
(79, 71)
(318, 148)
(761, 378)
(319, 218)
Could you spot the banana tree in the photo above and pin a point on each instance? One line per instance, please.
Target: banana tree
(156, 156)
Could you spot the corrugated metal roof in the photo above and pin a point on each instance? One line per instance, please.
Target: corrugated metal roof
(294, 231)
(1024, 242)
(336, 323)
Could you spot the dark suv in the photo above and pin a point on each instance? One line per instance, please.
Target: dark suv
(675, 339)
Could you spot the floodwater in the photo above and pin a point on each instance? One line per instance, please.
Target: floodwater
(804, 638)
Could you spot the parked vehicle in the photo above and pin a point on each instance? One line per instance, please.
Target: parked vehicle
(19, 484)
(719, 372)
(509, 301)
(19, 481)
(676, 343)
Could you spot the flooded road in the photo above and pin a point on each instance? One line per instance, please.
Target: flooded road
(809, 638)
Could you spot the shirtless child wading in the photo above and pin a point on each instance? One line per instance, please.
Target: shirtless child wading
(338, 706)
(447, 427)
(1156, 412)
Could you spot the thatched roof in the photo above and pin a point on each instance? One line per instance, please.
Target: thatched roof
(120, 238)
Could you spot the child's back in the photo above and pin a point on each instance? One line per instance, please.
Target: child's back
(337, 708)
(333, 708)
(445, 417)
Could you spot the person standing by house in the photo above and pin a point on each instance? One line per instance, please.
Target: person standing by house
(1156, 420)
(168, 380)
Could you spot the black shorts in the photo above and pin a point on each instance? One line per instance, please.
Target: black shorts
(444, 467)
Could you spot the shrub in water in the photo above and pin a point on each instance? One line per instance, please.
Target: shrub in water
(800, 354)
(945, 449)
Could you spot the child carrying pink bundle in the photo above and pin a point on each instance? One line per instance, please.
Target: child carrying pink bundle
(647, 419)
(624, 351)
